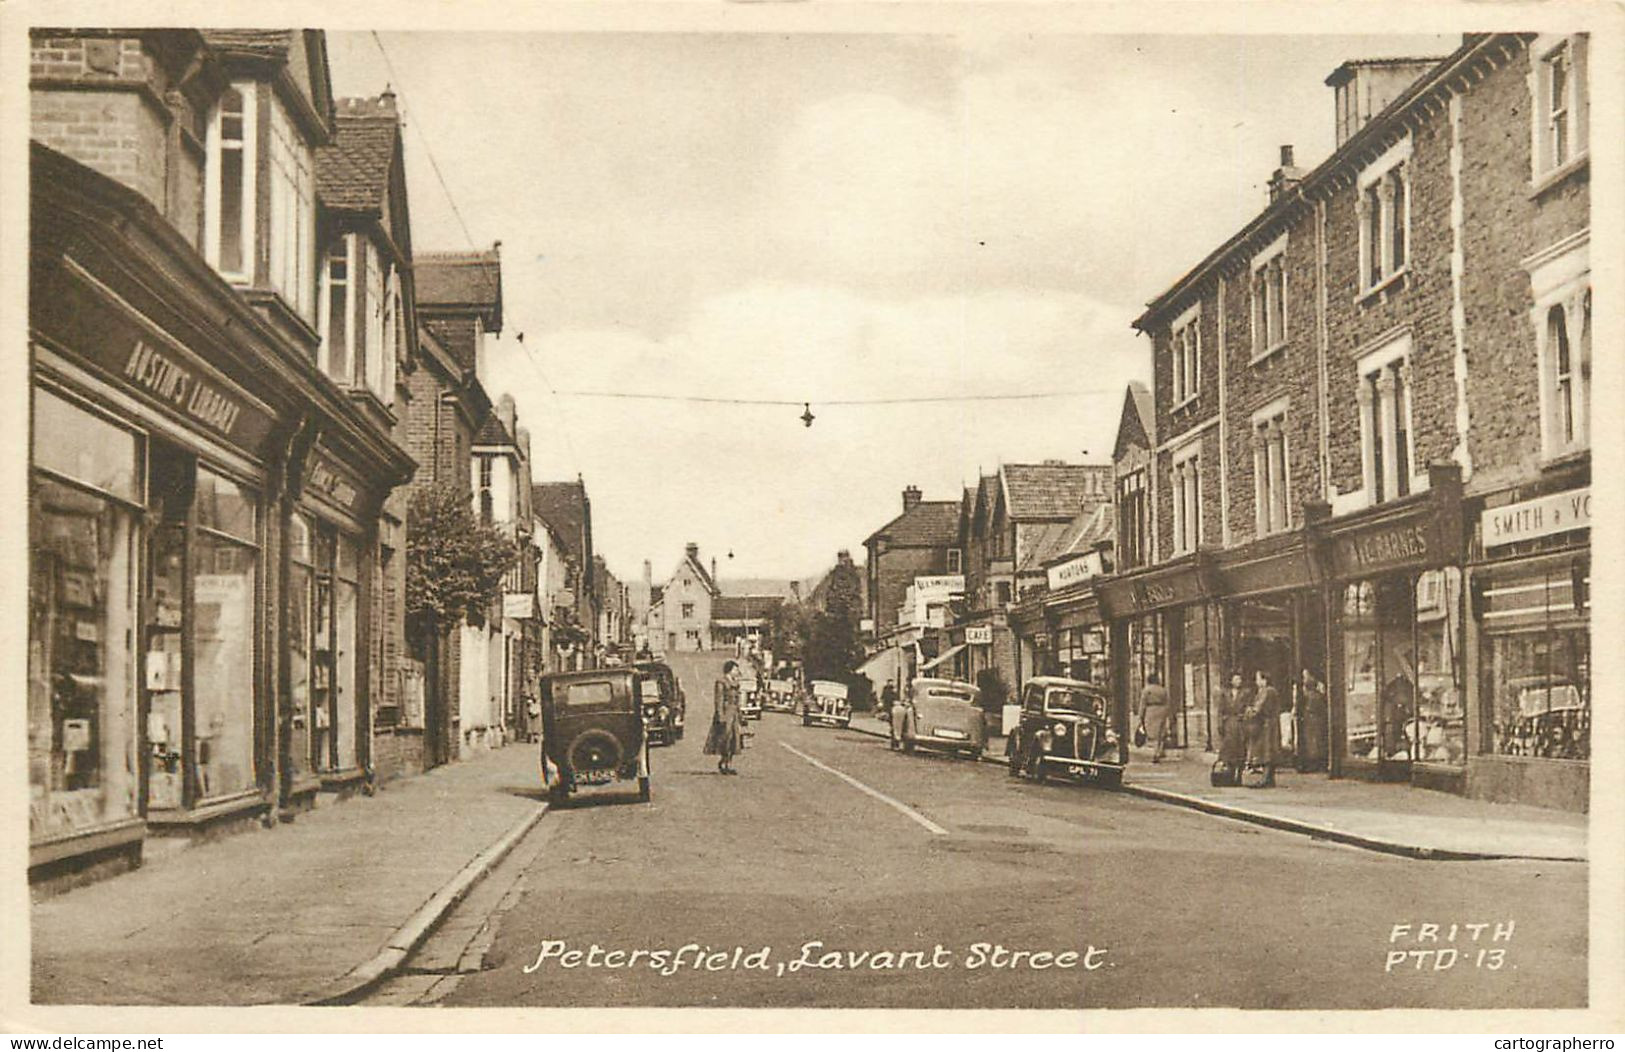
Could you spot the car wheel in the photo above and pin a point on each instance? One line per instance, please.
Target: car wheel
(1012, 759)
(557, 794)
(1039, 774)
(643, 789)
(908, 744)
(805, 722)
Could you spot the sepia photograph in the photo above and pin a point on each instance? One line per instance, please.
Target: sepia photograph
(769, 506)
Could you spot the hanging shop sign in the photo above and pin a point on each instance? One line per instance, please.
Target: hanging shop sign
(327, 481)
(519, 606)
(1531, 519)
(1128, 596)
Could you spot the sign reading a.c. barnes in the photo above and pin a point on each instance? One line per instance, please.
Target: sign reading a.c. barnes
(1385, 548)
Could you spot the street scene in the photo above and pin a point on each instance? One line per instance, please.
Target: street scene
(809, 520)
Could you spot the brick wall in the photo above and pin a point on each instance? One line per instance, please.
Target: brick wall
(1504, 225)
(895, 570)
(1420, 304)
(1292, 371)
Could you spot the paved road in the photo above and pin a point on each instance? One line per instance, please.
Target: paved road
(827, 838)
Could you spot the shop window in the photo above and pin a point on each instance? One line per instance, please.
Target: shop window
(224, 563)
(1402, 669)
(347, 647)
(82, 675)
(302, 673)
(1537, 659)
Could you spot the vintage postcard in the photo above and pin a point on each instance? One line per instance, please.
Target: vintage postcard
(1050, 515)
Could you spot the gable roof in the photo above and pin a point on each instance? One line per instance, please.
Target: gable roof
(352, 174)
(1052, 492)
(563, 506)
(493, 432)
(461, 283)
(740, 607)
(1138, 421)
(929, 524)
(301, 55)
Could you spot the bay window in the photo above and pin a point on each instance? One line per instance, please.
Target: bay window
(337, 357)
(293, 214)
(228, 216)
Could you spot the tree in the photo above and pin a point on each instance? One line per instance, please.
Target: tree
(454, 562)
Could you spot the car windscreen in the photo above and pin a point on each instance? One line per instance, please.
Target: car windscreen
(581, 695)
(953, 695)
(1064, 700)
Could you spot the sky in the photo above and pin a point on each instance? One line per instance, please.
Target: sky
(825, 218)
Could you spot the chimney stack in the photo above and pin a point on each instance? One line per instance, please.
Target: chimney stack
(911, 499)
(714, 570)
(693, 551)
(508, 413)
(1286, 177)
(1363, 88)
(648, 573)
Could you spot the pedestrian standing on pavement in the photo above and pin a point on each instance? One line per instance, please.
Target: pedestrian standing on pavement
(888, 698)
(1233, 703)
(1313, 726)
(727, 725)
(1264, 728)
(1154, 715)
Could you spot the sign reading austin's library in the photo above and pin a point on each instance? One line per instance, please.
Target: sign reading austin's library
(1541, 517)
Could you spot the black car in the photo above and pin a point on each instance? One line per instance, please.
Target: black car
(663, 693)
(594, 730)
(1067, 729)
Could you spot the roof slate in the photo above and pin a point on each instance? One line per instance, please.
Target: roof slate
(1051, 492)
(929, 524)
(563, 506)
(353, 173)
(493, 433)
(459, 279)
(739, 607)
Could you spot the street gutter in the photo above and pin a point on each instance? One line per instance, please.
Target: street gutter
(1308, 829)
(361, 979)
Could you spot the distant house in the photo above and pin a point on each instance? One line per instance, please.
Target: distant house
(739, 619)
(566, 508)
(685, 604)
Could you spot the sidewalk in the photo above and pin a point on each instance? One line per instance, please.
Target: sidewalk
(308, 911)
(1393, 818)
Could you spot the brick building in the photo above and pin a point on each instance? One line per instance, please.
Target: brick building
(205, 489)
(567, 510)
(1369, 459)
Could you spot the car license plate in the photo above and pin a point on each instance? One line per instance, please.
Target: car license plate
(944, 732)
(595, 777)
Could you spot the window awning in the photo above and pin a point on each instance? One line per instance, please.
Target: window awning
(881, 666)
(940, 658)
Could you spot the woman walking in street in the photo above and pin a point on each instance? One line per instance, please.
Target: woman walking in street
(727, 725)
(1154, 715)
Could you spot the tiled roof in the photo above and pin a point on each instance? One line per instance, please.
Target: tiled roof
(740, 607)
(1051, 492)
(460, 279)
(563, 506)
(929, 524)
(352, 173)
(493, 433)
(1138, 421)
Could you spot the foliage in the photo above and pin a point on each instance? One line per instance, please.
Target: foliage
(832, 647)
(454, 562)
(787, 630)
(845, 597)
(995, 692)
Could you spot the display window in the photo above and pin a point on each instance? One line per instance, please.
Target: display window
(334, 606)
(1536, 659)
(301, 598)
(200, 652)
(83, 501)
(1401, 642)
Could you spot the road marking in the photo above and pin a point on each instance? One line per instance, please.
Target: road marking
(877, 794)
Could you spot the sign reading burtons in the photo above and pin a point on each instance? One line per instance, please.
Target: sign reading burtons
(1540, 517)
(1081, 568)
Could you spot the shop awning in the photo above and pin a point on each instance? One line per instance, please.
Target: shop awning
(940, 658)
(881, 666)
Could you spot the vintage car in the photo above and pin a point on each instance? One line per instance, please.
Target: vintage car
(750, 697)
(826, 704)
(938, 714)
(664, 700)
(781, 695)
(594, 730)
(1067, 729)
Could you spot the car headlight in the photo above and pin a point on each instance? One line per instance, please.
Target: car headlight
(1111, 737)
(1045, 741)
(1060, 730)
(663, 712)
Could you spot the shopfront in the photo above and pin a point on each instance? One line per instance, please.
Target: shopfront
(1396, 606)
(1080, 634)
(1530, 572)
(1163, 625)
(148, 692)
(1274, 623)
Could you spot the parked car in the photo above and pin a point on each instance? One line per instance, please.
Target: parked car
(594, 730)
(750, 698)
(664, 699)
(938, 714)
(1067, 729)
(781, 695)
(826, 704)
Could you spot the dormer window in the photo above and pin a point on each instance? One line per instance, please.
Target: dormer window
(229, 205)
(359, 336)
